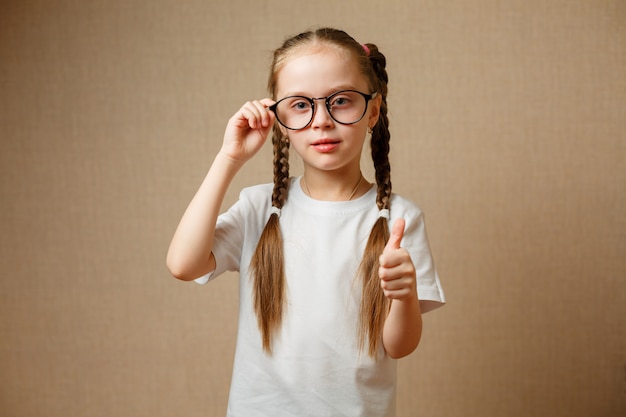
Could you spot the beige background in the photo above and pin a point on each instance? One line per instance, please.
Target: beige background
(508, 128)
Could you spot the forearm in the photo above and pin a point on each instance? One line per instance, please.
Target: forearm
(403, 327)
(189, 254)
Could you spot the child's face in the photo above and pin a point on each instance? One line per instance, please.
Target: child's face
(326, 144)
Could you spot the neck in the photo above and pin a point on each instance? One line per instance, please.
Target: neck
(332, 190)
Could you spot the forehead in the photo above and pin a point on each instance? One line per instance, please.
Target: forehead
(318, 71)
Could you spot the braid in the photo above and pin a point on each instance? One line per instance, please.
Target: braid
(268, 260)
(374, 304)
(281, 167)
(380, 157)
(380, 133)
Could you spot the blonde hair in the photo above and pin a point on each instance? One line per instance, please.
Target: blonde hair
(268, 260)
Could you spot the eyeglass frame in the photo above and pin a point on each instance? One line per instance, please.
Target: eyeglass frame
(326, 99)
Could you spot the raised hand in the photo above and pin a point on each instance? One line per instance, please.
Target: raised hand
(190, 253)
(397, 272)
(248, 129)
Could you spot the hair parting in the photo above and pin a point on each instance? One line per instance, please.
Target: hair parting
(267, 262)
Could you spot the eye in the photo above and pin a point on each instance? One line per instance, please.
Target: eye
(299, 104)
(341, 100)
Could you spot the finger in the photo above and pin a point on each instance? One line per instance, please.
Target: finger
(395, 264)
(252, 112)
(257, 114)
(267, 102)
(397, 232)
(266, 116)
(396, 284)
(399, 294)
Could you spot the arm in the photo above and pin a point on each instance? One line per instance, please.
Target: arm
(403, 327)
(190, 252)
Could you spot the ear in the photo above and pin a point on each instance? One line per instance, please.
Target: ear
(374, 110)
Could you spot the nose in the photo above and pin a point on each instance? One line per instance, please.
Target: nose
(321, 115)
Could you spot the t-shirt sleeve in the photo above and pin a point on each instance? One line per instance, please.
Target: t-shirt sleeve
(227, 242)
(415, 240)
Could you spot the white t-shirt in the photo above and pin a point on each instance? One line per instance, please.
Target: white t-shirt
(315, 368)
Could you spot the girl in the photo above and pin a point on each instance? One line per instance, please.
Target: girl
(328, 295)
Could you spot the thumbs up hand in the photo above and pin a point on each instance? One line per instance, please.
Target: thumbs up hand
(397, 272)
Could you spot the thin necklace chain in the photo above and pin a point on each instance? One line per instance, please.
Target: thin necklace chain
(356, 187)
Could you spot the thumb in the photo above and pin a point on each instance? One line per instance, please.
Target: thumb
(397, 232)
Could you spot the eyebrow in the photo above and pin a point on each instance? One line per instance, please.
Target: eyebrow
(330, 91)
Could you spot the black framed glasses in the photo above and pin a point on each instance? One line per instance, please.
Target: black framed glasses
(346, 107)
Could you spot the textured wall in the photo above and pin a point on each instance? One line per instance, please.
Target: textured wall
(508, 128)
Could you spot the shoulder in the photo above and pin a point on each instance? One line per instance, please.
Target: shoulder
(257, 195)
(401, 206)
(261, 193)
(253, 202)
(257, 191)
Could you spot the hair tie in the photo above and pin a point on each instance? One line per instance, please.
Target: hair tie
(366, 49)
(275, 210)
(384, 213)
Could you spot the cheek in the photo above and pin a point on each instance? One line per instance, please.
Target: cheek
(296, 143)
(363, 127)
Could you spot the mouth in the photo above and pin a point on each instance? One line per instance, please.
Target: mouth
(325, 145)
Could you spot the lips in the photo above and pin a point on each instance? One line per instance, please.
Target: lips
(325, 145)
